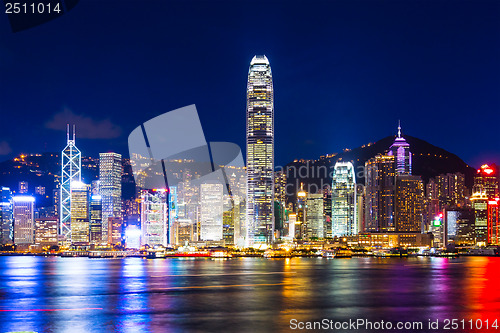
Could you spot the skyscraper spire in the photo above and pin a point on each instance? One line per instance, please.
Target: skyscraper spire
(74, 129)
(67, 132)
(399, 128)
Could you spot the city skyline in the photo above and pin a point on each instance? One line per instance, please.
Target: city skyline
(362, 81)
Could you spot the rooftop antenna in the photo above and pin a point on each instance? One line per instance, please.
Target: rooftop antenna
(67, 132)
(399, 128)
(74, 130)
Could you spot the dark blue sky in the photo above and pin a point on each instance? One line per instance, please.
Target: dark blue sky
(344, 73)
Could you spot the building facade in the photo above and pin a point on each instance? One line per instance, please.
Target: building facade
(260, 153)
(110, 186)
(344, 208)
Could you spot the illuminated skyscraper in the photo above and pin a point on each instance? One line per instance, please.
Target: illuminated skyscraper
(493, 222)
(344, 209)
(154, 217)
(409, 203)
(211, 212)
(486, 181)
(80, 222)
(480, 205)
(400, 149)
(6, 219)
(314, 216)
(71, 171)
(379, 194)
(95, 218)
(260, 153)
(46, 231)
(24, 219)
(110, 177)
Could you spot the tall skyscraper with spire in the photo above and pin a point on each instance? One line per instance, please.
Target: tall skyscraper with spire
(71, 166)
(260, 153)
(400, 149)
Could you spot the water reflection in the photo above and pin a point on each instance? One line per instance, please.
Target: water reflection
(240, 294)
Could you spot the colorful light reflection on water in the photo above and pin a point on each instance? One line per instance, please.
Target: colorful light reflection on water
(245, 295)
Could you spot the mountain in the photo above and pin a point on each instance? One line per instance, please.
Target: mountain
(427, 161)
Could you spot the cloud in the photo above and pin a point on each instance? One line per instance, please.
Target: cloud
(5, 148)
(86, 127)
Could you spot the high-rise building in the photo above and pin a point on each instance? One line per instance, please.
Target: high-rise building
(71, 166)
(327, 211)
(314, 216)
(493, 222)
(301, 213)
(115, 230)
(464, 219)
(409, 203)
(211, 212)
(379, 194)
(154, 217)
(400, 149)
(80, 222)
(95, 218)
(6, 218)
(480, 205)
(24, 219)
(279, 201)
(46, 231)
(110, 185)
(260, 153)
(344, 212)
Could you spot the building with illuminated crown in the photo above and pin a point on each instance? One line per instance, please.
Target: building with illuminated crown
(260, 153)
(400, 149)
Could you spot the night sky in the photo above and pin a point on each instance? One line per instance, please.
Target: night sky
(344, 73)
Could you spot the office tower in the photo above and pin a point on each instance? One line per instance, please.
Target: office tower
(344, 213)
(379, 194)
(46, 230)
(95, 218)
(80, 222)
(409, 203)
(360, 207)
(110, 185)
(464, 218)
(486, 180)
(6, 218)
(301, 213)
(493, 223)
(279, 201)
(228, 227)
(211, 212)
(400, 149)
(260, 153)
(172, 212)
(154, 217)
(71, 166)
(115, 229)
(480, 205)
(327, 211)
(314, 216)
(23, 187)
(23, 213)
(450, 220)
